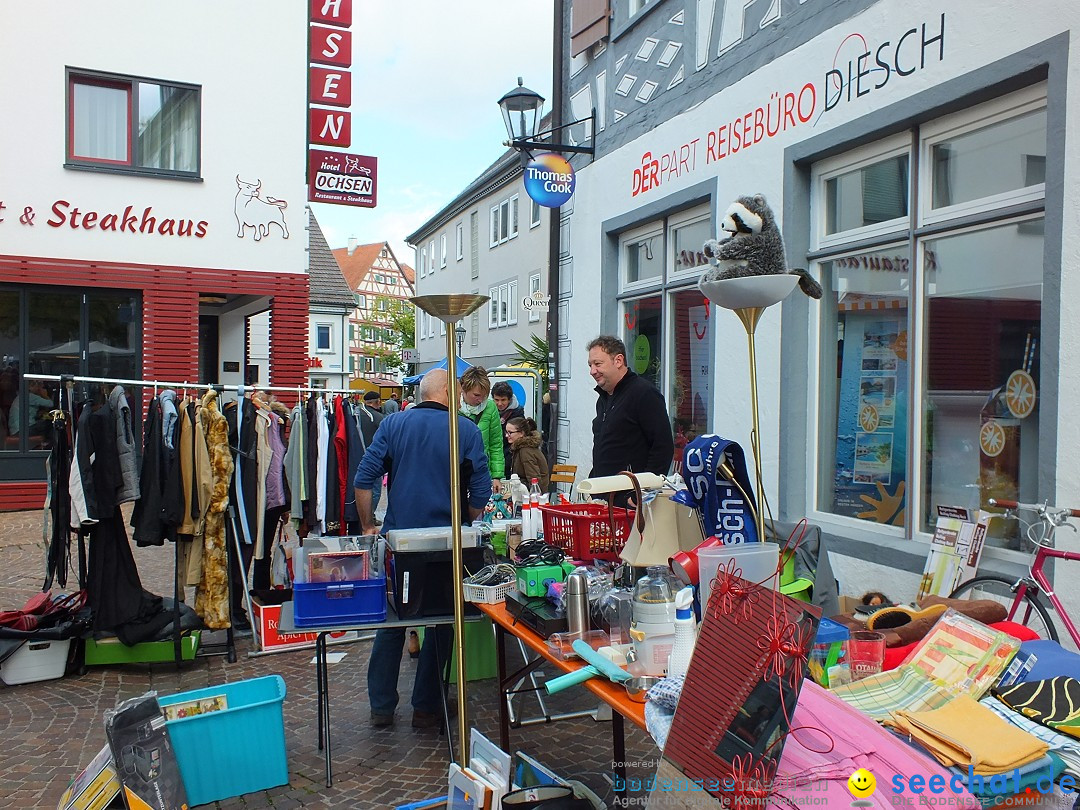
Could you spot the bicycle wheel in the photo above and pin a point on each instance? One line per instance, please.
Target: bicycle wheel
(1032, 613)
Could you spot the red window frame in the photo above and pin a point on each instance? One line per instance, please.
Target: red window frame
(74, 79)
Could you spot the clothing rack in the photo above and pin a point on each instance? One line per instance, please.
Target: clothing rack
(206, 386)
(230, 643)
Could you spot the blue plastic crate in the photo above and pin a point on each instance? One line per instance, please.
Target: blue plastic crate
(233, 751)
(335, 603)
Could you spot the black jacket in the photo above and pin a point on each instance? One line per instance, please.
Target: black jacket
(631, 430)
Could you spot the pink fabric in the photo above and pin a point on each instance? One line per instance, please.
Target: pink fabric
(823, 722)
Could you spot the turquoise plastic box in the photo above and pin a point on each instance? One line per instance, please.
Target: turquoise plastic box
(232, 751)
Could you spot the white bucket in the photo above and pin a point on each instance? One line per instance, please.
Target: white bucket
(757, 561)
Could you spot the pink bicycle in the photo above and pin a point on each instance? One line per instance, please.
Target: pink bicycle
(1023, 597)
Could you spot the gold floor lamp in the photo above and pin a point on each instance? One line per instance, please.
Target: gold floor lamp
(749, 297)
(450, 309)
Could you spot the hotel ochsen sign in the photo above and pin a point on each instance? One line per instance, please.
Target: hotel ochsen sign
(329, 80)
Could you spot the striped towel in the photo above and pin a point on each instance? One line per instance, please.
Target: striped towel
(1067, 748)
(903, 688)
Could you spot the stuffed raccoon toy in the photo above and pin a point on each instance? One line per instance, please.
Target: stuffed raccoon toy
(755, 247)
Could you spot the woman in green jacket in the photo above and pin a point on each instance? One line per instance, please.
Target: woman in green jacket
(481, 408)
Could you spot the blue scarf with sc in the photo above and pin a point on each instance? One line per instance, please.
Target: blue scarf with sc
(724, 510)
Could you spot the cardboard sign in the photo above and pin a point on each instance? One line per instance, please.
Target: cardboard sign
(955, 550)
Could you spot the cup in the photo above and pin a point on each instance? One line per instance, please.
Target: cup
(866, 652)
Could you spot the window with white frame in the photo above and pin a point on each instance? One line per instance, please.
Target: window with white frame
(442, 328)
(361, 301)
(431, 327)
(534, 213)
(493, 308)
(423, 325)
(442, 251)
(459, 239)
(421, 258)
(512, 303)
(931, 317)
(127, 124)
(322, 337)
(665, 322)
(504, 221)
(534, 287)
(433, 255)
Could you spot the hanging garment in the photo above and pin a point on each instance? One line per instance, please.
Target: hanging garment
(294, 464)
(58, 504)
(263, 454)
(341, 468)
(322, 426)
(275, 475)
(240, 417)
(146, 518)
(356, 445)
(212, 597)
(197, 484)
(311, 461)
(333, 496)
(125, 446)
(113, 588)
(95, 478)
(169, 417)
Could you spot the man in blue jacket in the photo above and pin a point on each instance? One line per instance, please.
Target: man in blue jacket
(413, 448)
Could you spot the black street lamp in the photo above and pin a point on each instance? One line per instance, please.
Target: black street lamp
(459, 334)
(522, 113)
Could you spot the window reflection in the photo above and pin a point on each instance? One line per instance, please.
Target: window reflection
(9, 369)
(691, 380)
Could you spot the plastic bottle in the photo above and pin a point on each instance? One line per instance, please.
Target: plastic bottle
(534, 503)
(528, 527)
(685, 633)
(515, 495)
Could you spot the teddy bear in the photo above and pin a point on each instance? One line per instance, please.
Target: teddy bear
(755, 247)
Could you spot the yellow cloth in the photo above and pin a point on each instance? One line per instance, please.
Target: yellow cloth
(964, 733)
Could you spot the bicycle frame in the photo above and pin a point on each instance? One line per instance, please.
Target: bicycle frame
(1042, 554)
(1051, 518)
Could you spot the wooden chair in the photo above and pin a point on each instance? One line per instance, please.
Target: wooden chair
(563, 474)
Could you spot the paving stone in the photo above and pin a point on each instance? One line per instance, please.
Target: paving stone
(51, 730)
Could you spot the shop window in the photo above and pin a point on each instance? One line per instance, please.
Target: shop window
(97, 334)
(322, 337)
(642, 256)
(127, 124)
(929, 361)
(665, 326)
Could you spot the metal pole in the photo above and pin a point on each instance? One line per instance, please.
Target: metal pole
(554, 245)
(455, 531)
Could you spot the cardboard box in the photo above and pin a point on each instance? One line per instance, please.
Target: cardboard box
(95, 788)
(955, 550)
(266, 627)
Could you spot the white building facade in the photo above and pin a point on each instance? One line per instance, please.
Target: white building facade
(152, 201)
(493, 240)
(916, 157)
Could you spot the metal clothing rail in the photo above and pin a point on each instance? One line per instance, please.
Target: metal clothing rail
(208, 386)
(230, 643)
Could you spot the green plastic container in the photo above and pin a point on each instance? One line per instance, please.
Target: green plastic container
(113, 651)
(480, 659)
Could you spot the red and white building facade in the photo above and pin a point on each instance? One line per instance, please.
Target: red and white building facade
(152, 193)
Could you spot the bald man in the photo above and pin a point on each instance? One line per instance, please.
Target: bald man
(413, 448)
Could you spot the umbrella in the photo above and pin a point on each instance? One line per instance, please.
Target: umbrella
(462, 367)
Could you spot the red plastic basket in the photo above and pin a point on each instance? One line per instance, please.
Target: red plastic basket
(583, 530)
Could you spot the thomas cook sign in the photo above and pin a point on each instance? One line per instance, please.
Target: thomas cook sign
(549, 180)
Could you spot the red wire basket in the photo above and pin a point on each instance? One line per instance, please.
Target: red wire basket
(583, 530)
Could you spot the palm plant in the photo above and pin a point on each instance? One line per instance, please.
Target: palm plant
(536, 356)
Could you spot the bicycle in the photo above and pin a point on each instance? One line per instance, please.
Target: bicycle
(1024, 593)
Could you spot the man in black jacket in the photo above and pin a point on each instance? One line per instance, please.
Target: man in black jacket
(631, 430)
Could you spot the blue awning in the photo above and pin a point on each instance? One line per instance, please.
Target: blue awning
(462, 367)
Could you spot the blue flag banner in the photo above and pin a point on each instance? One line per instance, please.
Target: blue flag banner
(725, 511)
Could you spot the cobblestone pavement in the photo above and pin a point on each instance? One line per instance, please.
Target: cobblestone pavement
(50, 730)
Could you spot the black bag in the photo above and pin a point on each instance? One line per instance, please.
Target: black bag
(545, 797)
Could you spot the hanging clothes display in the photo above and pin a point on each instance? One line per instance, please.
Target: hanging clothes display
(212, 595)
(59, 501)
(125, 445)
(147, 526)
(295, 460)
(197, 487)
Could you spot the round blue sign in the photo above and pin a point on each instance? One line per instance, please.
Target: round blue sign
(550, 180)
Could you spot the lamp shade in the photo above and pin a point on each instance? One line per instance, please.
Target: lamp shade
(521, 112)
